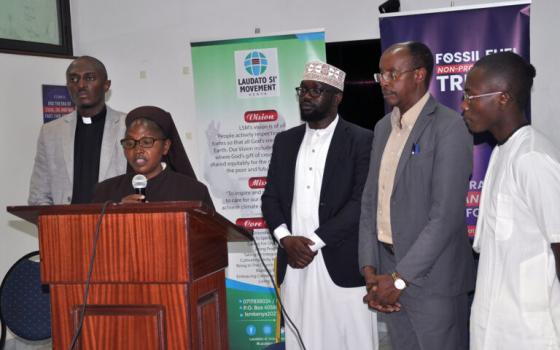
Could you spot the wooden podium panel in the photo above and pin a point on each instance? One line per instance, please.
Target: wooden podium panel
(143, 327)
(158, 276)
(138, 248)
(210, 302)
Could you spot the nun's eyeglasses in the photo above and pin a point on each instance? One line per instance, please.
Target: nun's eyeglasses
(144, 142)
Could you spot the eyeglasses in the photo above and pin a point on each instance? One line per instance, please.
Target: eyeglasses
(467, 98)
(391, 75)
(314, 93)
(144, 142)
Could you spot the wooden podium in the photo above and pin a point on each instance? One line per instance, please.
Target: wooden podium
(158, 276)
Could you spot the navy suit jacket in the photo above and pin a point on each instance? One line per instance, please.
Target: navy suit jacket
(345, 173)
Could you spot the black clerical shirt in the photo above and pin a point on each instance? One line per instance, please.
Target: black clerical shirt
(87, 154)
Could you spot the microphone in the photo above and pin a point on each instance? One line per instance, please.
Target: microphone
(139, 183)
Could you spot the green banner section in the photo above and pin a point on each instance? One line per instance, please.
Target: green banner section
(251, 316)
(245, 95)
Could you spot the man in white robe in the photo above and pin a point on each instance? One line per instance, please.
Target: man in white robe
(517, 297)
(311, 204)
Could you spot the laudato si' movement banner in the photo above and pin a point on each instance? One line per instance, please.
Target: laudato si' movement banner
(244, 96)
(458, 38)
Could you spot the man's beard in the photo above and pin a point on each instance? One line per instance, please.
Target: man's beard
(313, 116)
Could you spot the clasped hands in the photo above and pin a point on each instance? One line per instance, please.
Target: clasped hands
(381, 292)
(299, 252)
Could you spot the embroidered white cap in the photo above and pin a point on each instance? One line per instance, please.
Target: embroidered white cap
(324, 73)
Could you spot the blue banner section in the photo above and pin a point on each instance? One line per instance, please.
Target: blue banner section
(247, 287)
(311, 36)
(458, 39)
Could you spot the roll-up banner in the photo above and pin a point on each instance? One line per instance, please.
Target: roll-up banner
(245, 95)
(458, 37)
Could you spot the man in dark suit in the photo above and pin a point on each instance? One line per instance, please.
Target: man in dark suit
(311, 203)
(414, 249)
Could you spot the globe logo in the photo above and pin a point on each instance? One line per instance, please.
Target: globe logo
(255, 63)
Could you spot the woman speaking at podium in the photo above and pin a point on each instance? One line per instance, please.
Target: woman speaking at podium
(158, 166)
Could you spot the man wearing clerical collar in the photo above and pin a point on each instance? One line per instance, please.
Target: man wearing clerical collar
(81, 148)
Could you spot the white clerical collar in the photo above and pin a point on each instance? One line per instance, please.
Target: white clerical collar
(86, 120)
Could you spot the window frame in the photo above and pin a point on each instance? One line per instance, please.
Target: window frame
(64, 49)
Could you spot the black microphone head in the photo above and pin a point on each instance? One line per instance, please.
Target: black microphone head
(139, 183)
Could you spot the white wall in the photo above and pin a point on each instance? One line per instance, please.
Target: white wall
(21, 104)
(544, 54)
(415, 5)
(132, 36)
